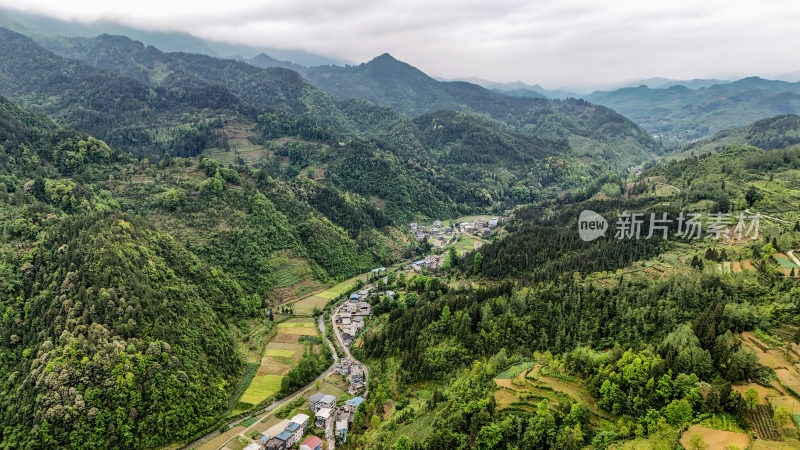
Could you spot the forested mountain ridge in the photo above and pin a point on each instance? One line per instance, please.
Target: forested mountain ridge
(685, 114)
(124, 281)
(122, 110)
(769, 134)
(246, 105)
(595, 132)
(645, 336)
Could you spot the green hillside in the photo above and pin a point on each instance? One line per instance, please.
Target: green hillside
(683, 114)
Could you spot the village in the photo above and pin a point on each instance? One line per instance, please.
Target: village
(323, 414)
(465, 236)
(332, 416)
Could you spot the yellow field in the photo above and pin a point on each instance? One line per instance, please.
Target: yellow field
(281, 353)
(306, 306)
(261, 388)
(292, 324)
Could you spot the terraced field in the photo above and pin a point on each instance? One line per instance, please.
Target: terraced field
(523, 386)
(280, 355)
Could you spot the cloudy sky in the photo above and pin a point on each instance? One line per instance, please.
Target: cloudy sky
(556, 43)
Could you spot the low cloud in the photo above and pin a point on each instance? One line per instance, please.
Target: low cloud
(565, 43)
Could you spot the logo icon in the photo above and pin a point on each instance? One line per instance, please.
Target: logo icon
(591, 225)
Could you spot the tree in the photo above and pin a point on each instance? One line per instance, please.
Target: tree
(403, 443)
(751, 398)
(678, 412)
(476, 262)
(218, 184)
(374, 421)
(782, 416)
(752, 196)
(696, 442)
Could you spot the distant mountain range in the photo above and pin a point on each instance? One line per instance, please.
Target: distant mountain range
(683, 114)
(169, 41)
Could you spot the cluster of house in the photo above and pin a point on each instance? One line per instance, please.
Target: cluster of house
(440, 234)
(481, 226)
(430, 262)
(286, 433)
(354, 373)
(351, 316)
(325, 411)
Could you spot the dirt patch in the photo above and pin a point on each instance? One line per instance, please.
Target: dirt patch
(789, 378)
(286, 338)
(785, 401)
(387, 409)
(737, 267)
(503, 398)
(504, 382)
(748, 266)
(716, 439)
(271, 366)
(234, 431)
(284, 346)
(763, 392)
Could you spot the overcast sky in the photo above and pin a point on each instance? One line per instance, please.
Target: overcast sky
(556, 43)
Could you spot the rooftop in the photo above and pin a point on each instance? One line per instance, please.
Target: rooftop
(284, 436)
(355, 401)
(312, 442)
(324, 413)
(300, 418)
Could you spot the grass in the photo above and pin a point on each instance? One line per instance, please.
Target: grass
(293, 324)
(514, 370)
(261, 388)
(466, 244)
(721, 421)
(249, 421)
(667, 440)
(307, 305)
(289, 270)
(279, 353)
(766, 337)
(249, 372)
(784, 261)
(238, 443)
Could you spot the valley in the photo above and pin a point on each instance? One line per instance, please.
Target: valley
(240, 251)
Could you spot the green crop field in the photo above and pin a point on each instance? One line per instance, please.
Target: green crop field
(261, 388)
(279, 353)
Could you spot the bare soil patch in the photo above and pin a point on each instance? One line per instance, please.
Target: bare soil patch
(763, 392)
(285, 337)
(271, 366)
(716, 439)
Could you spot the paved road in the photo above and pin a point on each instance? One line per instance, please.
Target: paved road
(790, 254)
(264, 412)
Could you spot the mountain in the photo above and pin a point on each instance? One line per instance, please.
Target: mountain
(520, 89)
(663, 83)
(265, 61)
(683, 114)
(593, 130)
(170, 41)
(769, 134)
(130, 284)
(591, 139)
